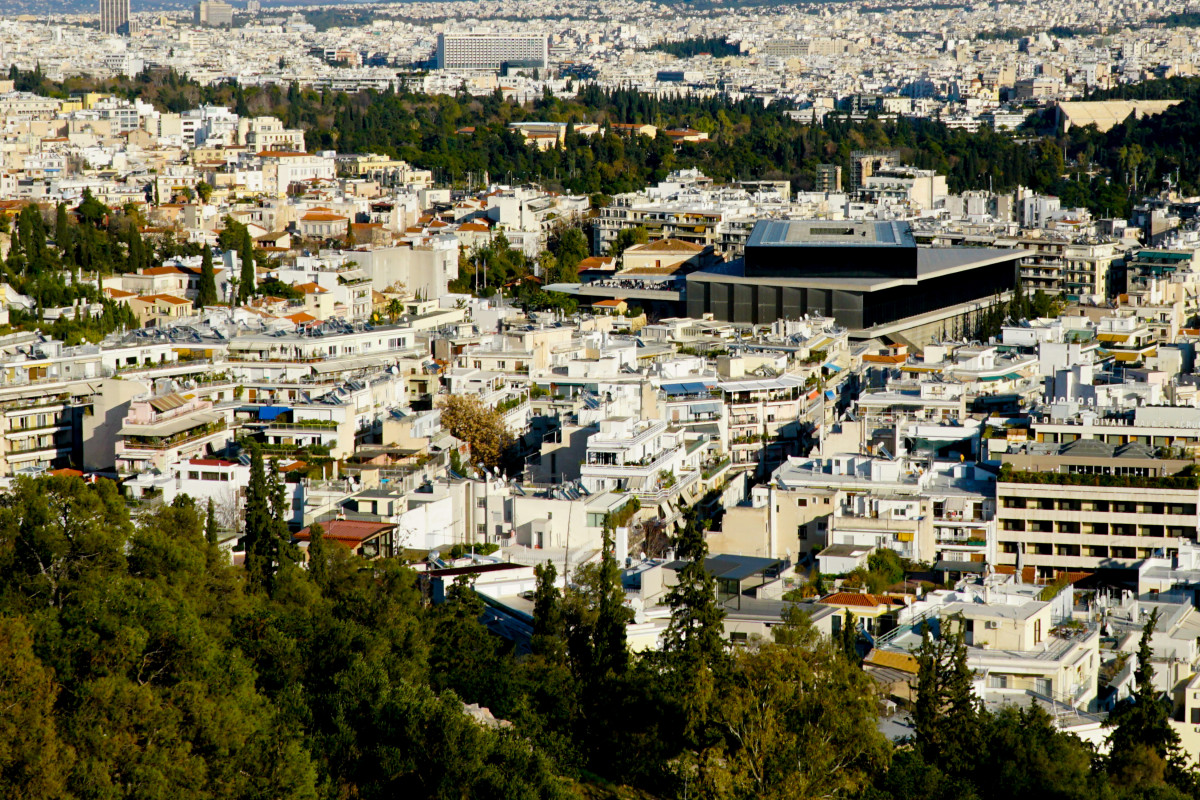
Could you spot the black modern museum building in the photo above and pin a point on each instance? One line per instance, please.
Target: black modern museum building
(866, 275)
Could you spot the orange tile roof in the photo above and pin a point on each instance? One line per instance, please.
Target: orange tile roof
(859, 600)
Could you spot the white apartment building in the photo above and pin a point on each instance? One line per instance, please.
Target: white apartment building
(491, 51)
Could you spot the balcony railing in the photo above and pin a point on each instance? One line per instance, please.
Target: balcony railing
(165, 443)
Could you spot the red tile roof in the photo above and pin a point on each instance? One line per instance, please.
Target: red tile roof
(349, 530)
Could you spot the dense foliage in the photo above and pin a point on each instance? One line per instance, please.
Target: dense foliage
(137, 662)
(715, 46)
(748, 140)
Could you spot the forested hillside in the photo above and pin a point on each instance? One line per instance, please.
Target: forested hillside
(748, 140)
(136, 662)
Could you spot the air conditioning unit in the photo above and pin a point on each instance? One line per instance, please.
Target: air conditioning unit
(992, 625)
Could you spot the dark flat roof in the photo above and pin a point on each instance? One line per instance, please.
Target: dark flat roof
(823, 233)
(931, 263)
(733, 568)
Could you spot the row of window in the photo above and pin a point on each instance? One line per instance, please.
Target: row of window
(196, 475)
(1080, 551)
(1104, 506)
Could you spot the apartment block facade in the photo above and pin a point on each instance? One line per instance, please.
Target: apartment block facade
(1056, 527)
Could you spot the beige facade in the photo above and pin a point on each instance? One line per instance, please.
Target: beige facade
(1070, 527)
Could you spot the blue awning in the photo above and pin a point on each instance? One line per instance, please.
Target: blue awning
(833, 367)
(272, 412)
(685, 387)
(829, 394)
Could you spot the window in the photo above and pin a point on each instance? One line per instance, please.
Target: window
(1196, 716)
(802, 502)
(193, 476)
(481, 503)
(1037, 631)
(997, 681)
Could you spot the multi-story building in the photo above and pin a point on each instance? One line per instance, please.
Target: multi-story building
(491, 51)
(214, 14)
(1073, 520)
(166, 429)
(114, 17)
(1060, 264)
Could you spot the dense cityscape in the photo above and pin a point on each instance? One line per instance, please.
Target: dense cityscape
(600, 400)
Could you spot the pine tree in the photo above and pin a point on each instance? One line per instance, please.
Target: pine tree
(207, 294)
(1142, 734)
(947, 714)
(210, 524)
(693, 645)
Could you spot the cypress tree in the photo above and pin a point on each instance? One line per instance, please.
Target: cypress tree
(947, 714)
(210, 524)
(547, 638)
(318, 556)
(207, 293)
(248, 275)
(260, 566)
(848, 638)
(63, 236)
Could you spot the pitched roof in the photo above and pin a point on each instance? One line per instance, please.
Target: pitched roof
(666, 246)
(858, 599)
(350, 531)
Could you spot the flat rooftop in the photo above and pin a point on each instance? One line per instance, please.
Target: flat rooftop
(823, 233)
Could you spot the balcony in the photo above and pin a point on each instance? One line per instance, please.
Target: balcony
(175, 440)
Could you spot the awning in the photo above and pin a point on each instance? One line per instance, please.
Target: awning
(959, 566)
(271, 412)
(170, 427)
(685, 387)
(832, 367)
(829, 395)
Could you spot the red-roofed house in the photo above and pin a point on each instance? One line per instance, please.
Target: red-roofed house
(367, 539)
(157, 310)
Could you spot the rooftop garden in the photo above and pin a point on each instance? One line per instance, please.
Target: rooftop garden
(1181, 481)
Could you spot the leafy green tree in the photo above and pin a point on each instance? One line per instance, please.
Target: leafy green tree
(626, 238)
(798, 720)
(35, 761)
